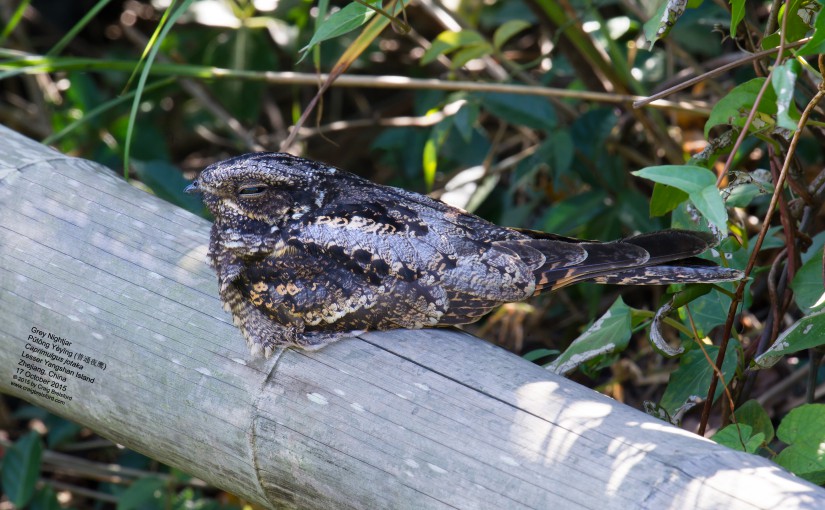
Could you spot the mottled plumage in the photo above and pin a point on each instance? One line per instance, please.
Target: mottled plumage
(305, 253)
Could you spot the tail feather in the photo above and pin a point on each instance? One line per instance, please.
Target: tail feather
(659, 258)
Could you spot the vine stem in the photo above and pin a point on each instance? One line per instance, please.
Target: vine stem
(740, 289)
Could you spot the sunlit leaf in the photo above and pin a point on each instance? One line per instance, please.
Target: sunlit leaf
(339, 23)
(802, 430)
(507, 31)
(740, 437)
(807, 332)
(450, 41)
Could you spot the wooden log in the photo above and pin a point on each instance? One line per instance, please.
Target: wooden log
(110, 317)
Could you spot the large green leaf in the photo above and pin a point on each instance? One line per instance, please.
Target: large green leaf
(609, 334)
(531, 111)
(740, 437)
(693, 376)
(44, 499)
(807, 285)
(752, 413)
(699, 184)
(665, 199)
(144, 493)
(802, 430)
(21, 467)
(734, 107)
(688, 178)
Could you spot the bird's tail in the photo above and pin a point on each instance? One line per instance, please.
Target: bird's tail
(658, 258)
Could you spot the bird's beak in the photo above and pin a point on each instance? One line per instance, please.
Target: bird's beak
(192, 188)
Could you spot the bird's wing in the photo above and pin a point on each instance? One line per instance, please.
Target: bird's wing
(390, 233)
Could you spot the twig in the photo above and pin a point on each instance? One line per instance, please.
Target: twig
(714, 72)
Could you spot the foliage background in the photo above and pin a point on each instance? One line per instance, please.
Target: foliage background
(558, 158)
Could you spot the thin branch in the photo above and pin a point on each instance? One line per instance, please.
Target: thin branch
(714, 72)
(35, 64)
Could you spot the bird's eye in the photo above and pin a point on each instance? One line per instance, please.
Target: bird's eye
(251, 190)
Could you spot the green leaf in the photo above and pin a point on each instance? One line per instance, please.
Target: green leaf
(710, 203)
(531, 111)
(740, 437)
(805, 333)
(734, 107)
(21, 467)
(562, 153)
(665, 199)
(339, 23)
(737, 14)
(609, 334)
(799, 22)
(465, 120)
(468, 53)
(753, 414)
(708, 311)
(540, 353)
(690, 179)
(450, 41)
(565, 216)
(817, 43)
(807, 285)
(802, 430)
(146, 491)
(438, 135)
(662, 21)
(783, 80)
(692, 378)
(700, 185)
(60, 431)
(741, 195)
(506, 31)
(44, 499)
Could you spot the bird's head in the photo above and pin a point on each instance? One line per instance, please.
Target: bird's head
(266, 187)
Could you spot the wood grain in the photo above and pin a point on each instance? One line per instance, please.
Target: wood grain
(405, 419)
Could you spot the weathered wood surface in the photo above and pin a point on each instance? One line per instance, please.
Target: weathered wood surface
(427, 419)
